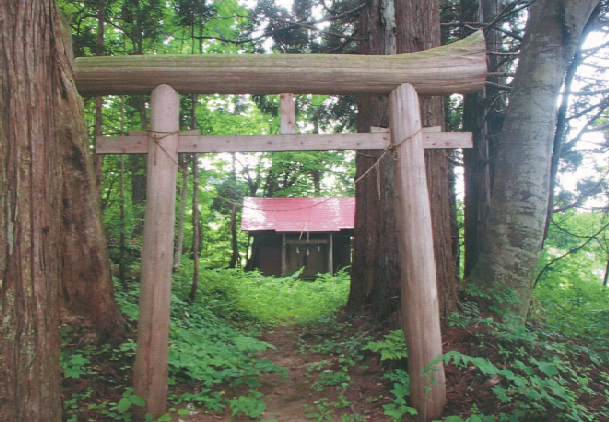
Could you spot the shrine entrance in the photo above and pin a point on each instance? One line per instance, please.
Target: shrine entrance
(455, 68)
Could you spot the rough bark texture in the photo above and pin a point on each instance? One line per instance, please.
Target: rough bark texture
(478, 163)
(520, 189)
(376, 269)
(375, 274)
(418, 26)
(87, 286)
(36, 90)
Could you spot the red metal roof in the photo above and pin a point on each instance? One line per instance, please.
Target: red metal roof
(298, 214)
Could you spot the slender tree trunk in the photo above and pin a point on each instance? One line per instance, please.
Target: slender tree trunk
(561, 123)
(138, 173)
(234, 260)
(606, 279)
(99, 117)
(121, 206)
(99, 101)
(38, 99)
(520, 191)
(182, 215)
(195, 227)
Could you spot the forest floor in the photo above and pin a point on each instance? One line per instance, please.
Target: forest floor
(306, 394)
(285, 397)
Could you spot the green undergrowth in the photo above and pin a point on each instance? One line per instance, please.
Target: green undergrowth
(214, 362)
(538, 370)
(268, 301)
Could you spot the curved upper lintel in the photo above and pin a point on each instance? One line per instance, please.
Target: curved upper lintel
(459, 67)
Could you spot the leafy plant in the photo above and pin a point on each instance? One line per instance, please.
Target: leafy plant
(392, 348)
(323, 413)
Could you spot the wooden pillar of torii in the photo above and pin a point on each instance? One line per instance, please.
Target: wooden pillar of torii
(406, 138)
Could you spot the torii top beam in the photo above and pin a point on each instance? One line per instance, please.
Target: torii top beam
(459, 67)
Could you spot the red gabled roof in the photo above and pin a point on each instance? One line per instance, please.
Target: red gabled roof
(298, 214)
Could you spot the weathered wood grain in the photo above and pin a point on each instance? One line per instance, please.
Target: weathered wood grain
(457, 67)
(150, 367)
(420, 312)
(138, 144)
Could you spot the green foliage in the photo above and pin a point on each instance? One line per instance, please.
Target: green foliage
(250, 405)
(323, 411)
(393, 347)
(269, 300)
(578, 309)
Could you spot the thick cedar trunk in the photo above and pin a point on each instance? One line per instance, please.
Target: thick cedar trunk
(484, 125)
(87, 286)
(520, 190)
(418, 27)
(376, 269)
(375, 273)
(37, 98)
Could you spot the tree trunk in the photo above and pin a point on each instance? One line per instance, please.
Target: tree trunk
(418, 27)
(520, 190)
(375, 273)
(183, 166)
(38, 97)
(122, 247)
(99, 101)
(234, 260)
(87, 286)
(376, 269)
(138, 174)
(196, 230)
(484, 123)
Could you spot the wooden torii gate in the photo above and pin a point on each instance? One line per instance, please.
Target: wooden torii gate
(458, 67)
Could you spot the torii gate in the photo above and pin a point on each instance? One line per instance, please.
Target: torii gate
(458, 67)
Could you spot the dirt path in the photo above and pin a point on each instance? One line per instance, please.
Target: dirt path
(285, 399)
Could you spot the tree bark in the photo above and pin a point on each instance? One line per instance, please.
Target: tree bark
(376, 268)
(138, 173)
(183, 166)
(418, 28)
(520, 190)
(375, 273)
(480, 116)
(87, 286)
(196, 229)
(122, 246)
(37, 96)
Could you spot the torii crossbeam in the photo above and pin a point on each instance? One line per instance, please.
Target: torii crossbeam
(459, 67)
